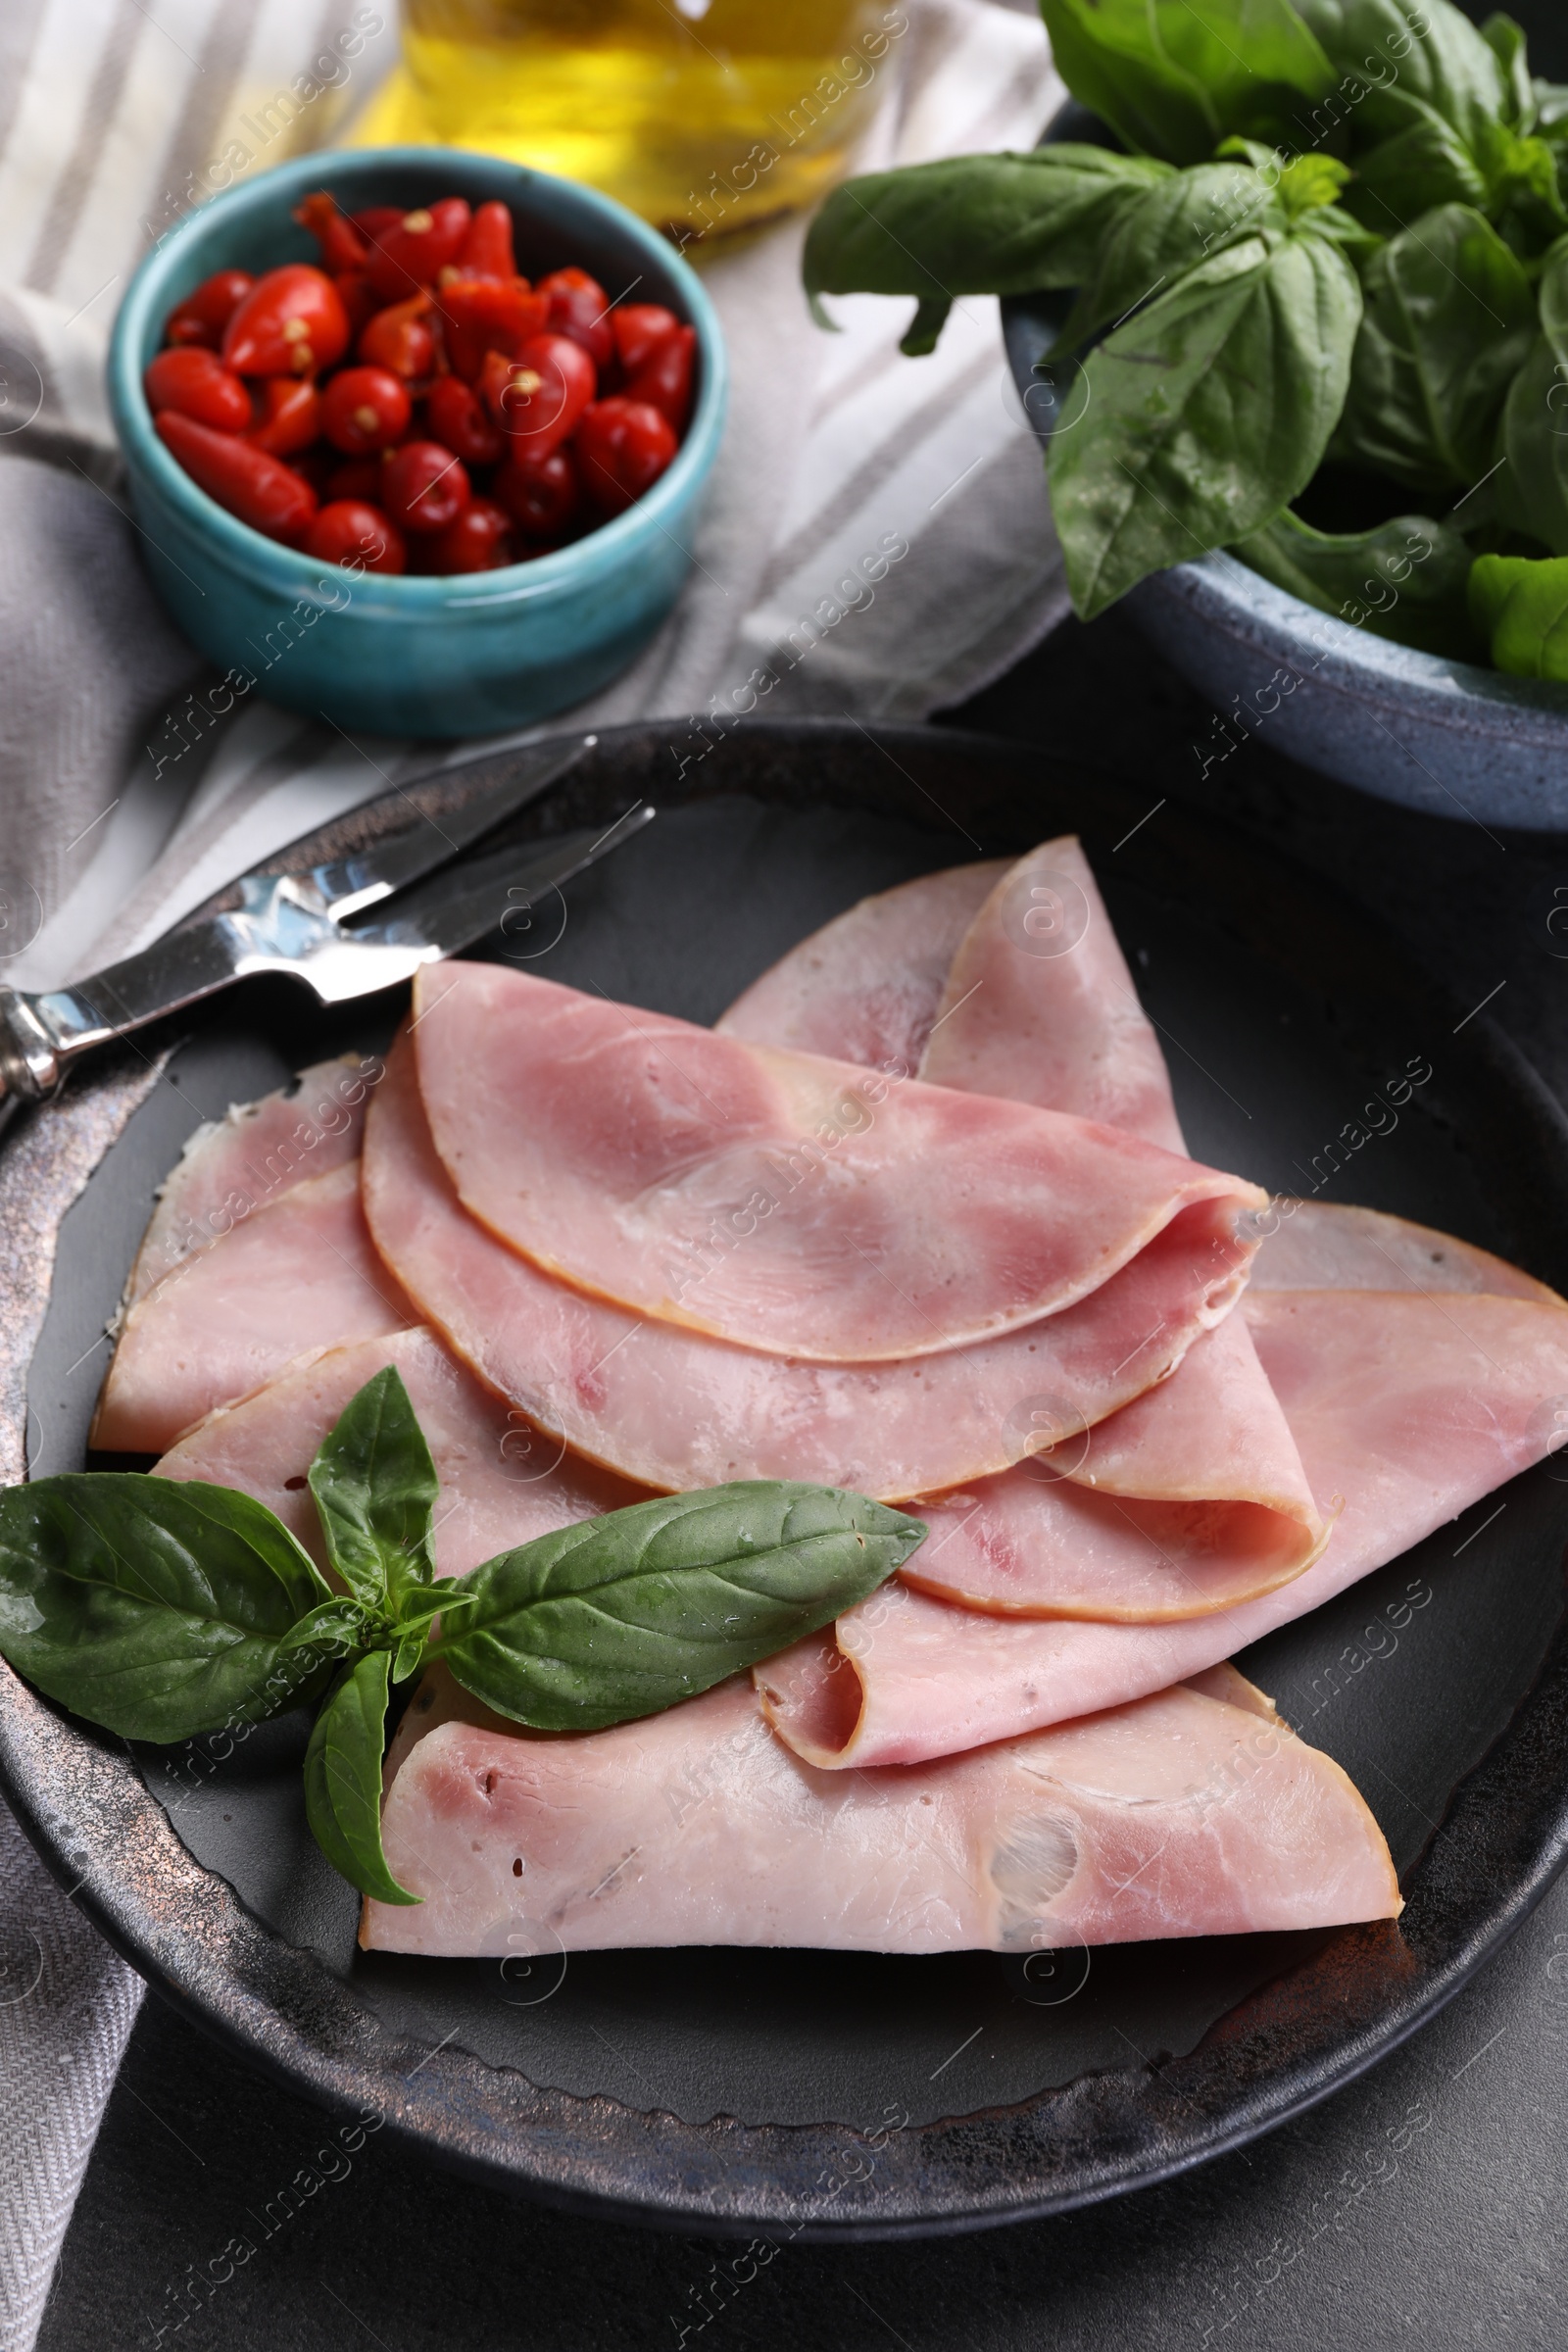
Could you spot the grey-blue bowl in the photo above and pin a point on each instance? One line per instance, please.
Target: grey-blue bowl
(1448, 737)
(461, 655)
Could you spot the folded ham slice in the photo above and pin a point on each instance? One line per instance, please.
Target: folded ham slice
(1182, 1815)
(297, 1276)
(1406, 1408)
(501, 1483)
(240, 1163)
(674, 1409)
(867, 987)
(1319, 1245)
(780, 1201)
(1040, 1005)
(1188, 1500)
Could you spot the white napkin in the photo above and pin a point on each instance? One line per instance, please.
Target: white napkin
(840, 455)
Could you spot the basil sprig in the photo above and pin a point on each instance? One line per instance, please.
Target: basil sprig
(163, 1609)
(1338, 234)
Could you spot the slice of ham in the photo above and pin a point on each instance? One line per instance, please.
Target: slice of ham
(1188, 1500)
(234, 1165)
(1040, 1005)
(672, 1408)
(501, 1485)
(1406, 1407)
(780, 1201)
(1182, 1815)
(298, 1276)
(1319, 1245)
(1191, 1499)
(867, 987)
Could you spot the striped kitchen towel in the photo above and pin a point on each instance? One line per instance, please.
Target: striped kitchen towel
(877, 542)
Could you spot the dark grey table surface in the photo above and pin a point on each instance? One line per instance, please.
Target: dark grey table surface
(1424, 2204)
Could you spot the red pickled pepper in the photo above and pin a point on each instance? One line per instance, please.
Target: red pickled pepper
(343, 248)
(538, 396)
(290, 416)
(639, 327)
(291, 323)
(194, 381)
(542, 495)
(579, 308)
(478, 539)
(399, 339)
(364, 408)
(455, 416)
(487, 250)
(353, 531)
(206, 309)
(623, 446)
(259, 489)
(664, 378)
(413, 250)
(417, 382)
(423, 486)
(481, 314)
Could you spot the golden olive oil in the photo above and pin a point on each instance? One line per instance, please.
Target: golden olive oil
(703, 116)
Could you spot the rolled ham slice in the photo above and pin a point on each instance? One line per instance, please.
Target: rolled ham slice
(1182, 1815)
(297, 1276)
(867, 988)
(780, 1201)
(676, 1410)
(1406, 1408)
(501, 1484)
(237, 1165)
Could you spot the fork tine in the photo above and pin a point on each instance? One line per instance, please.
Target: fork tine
(343, 887)
(459, 906)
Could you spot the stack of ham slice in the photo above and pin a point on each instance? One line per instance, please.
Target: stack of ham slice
(917, 1218)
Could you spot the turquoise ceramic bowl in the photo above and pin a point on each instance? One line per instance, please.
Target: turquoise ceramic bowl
(461, 655)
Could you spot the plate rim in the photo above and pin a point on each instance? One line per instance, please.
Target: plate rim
(187, 1931)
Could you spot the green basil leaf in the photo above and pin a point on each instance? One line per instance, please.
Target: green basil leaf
(1406, 580)
(1205, 414)
(333, 1628)
(1523, 197)
(1166, 231)
(1396, 64)
(1450, 320)
(409, 1656)
(343, 1779)
(1551, 110)
(1171, 79)
(1506, 41)
(1521, 607)
(1426, 163)
(624, 1615)
(156, 1607)
(924, 330)
(1531, 489)
(376, 1488)
(971, 224)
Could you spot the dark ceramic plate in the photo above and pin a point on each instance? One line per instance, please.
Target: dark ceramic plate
(817, 2093)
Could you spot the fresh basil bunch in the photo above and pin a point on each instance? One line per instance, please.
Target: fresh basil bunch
(1338, 230)
(163, 1609)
